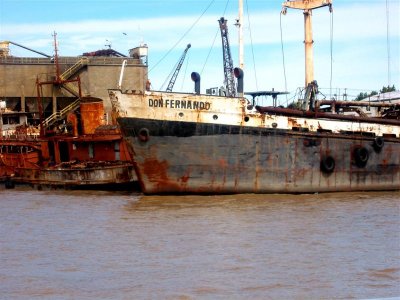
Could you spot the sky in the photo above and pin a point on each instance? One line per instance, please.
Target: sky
(356, 47)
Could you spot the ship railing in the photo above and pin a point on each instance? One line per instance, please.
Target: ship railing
(61, 114)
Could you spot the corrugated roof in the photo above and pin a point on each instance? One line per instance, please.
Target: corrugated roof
(389, 96)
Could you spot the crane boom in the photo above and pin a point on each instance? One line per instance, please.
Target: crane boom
(178, 68)
(227, 59)
(19, 45)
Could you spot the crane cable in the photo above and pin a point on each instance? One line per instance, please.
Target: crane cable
(251, 43)
(184, 73)
(283, 55)
(184, 35)
(169, 76)
(331, 48)
(209, 52)
(213, 43)
(388, 41)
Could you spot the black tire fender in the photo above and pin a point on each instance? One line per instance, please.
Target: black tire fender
(327, 164)
(378, 143)
(143, 134)
(361, 156)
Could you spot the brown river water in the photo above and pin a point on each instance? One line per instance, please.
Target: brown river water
(119, 245)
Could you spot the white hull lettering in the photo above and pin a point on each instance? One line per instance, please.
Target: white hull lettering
(179, 104)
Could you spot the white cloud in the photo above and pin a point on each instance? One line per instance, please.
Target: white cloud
(356, 30)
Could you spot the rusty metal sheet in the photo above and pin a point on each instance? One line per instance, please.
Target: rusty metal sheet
(79, 175)
(221, 159)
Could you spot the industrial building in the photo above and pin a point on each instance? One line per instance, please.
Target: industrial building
(60, 78)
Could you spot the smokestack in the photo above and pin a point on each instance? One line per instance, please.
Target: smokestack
(196, 78)
(239, 75)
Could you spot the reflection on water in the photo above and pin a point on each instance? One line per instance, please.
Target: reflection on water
(103, 245)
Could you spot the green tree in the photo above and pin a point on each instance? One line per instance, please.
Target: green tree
(385, 89)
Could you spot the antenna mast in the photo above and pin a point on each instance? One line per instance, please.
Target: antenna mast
(58, 79)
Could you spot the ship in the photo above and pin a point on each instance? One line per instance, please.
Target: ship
(78, 153)
(224, 144)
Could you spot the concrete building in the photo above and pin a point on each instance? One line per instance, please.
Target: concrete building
(19, 75)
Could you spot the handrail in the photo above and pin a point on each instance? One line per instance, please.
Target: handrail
(73, 69)
(71, 88)
(60, 114)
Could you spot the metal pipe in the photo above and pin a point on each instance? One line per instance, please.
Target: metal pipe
(121, 75)
(38, 52)
(196, 78)
(239, 75)
(355, 103)
(308, 45)
(315, 115)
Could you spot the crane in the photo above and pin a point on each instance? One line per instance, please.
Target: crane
(227, 59)
(19, 45)
(178, 68)
(307, 7)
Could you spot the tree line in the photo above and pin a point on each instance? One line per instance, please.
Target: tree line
(385, 89)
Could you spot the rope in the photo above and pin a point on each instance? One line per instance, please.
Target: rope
(183, 36)
(283, 56)
(251, 43)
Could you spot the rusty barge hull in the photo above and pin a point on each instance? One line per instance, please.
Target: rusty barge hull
(189, 157)
(113, 174)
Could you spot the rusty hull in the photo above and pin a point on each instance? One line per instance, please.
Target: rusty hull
(184, 157)
(84, 174)
(186, 143)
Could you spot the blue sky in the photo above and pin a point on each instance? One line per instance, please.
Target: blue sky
(360, 39)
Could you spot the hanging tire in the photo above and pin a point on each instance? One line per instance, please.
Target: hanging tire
(327, 164)
(361, 156)
(143, 135)
(378, 143)
(9, 184)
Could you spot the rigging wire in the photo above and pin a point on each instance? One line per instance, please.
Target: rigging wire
(213, 43)
(388, 42)
(283, 56)
(183, 36)
(184, 73)
(251, 43)
(331, 46)
(169, 76)
(209, 52)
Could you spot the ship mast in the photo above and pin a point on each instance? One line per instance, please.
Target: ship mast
(239, 23)
(307, 6)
